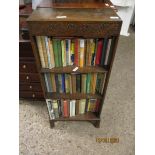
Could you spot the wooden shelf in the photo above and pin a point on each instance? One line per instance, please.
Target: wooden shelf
(89, 116)
(69, 69)
(72, 96)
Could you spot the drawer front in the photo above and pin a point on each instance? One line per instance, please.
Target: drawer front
(27, 67)
(30, 87)
(25, 49)
(79, 29)
(31, 95)
(29, 77)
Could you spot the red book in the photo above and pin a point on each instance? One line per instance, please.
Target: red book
(65, 109)
(99, 52)
(97, 105)
(76, 57)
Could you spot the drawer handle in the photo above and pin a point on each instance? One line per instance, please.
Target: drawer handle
(24, 66)
(30, 87)
(27, 77)
(33, 95)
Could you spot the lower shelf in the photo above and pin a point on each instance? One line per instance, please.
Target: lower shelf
(89, 116)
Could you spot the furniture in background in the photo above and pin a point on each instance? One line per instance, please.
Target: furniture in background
(29, 82)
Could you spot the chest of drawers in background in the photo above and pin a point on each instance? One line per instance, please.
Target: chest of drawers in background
(29, 83)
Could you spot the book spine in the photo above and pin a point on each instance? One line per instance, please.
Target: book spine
(65, 108)
(40, 49)
(92, 45)
(107, 52)
(73, 107)
(48, 82)
(78, 83)
(59, 52)
(57, 84)
(48, 52)
(76, 52)
(82, 105)
(63, 49)
(51, 52)
(94, 82)
(63, 83)
(77, 107)
(67, 83)
(55, 107)
(82, 44)
(44, 51)
(70, 83)
(99, 52)
(53, 83)
(104, 51)
(88, 82)
(55, 52)
(60, 83)
(72, 51)
(67, 52)
(83, 83)
(73, 83)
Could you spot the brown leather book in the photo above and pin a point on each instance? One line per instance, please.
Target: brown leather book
(65, 108)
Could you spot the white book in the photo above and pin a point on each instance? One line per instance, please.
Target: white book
(70, 107)
(107, 52)
(73, 107)
(48, 52)
(69, 51)
(50, 108)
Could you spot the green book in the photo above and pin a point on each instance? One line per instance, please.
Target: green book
(67, 83)
(88, 82)
(105, 42)
(83, 83)
(55, 50)
(59, 52)
(60, 83)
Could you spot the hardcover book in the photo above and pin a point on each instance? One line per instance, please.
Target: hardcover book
(40, 49)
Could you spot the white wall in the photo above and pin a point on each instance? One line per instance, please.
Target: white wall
(125, 11)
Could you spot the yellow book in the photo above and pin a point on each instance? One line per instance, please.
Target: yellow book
(94, 82)
(82, 105)
(44, 51)
(53, 83)
(83, 83)
(82, 42)
(40, 49)
(51, 52)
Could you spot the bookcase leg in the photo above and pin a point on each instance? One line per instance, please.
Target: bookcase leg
(96, 124)
(52, 124)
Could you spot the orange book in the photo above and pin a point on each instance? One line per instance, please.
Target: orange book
(65, 108)
(82, 56)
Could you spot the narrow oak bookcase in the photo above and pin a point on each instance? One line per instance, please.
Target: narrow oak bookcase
(75, 23)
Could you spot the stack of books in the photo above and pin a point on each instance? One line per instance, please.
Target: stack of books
(69, 108)
(79, 52)
(75, 83)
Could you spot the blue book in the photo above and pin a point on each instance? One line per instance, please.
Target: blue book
(48, 82)
(63, 83)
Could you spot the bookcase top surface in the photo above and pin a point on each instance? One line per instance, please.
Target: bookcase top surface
(70, 14)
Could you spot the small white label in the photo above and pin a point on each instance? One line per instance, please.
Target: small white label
(106, 4)
(111, 6)
(114, 17)
(75, 69)
(61, 16)
(82, 43)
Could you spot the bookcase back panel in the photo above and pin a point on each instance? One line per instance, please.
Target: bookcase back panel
(75, 29)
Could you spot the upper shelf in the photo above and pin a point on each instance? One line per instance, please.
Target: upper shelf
(74, 70)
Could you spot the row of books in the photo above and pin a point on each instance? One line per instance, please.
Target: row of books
(75, 83)
(69, 108)
(79, 52)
